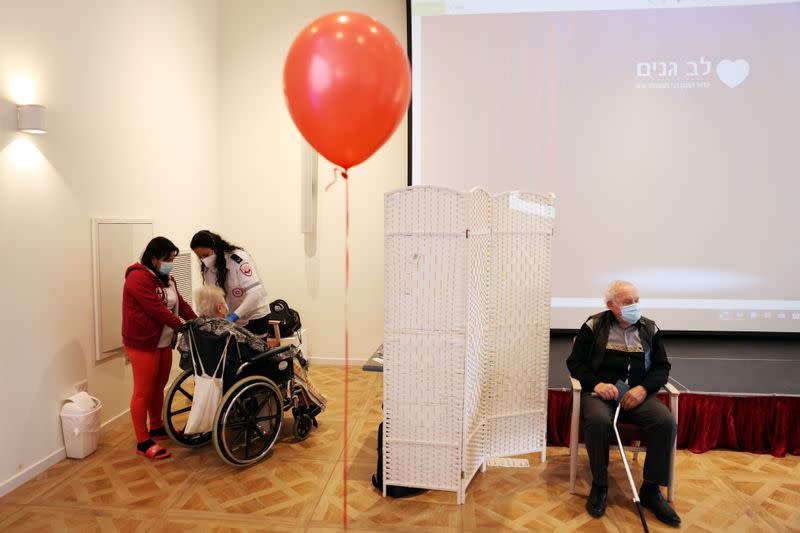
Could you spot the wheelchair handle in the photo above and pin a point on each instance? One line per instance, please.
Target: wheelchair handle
(183, 327)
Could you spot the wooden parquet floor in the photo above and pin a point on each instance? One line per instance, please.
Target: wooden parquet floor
(299, 488)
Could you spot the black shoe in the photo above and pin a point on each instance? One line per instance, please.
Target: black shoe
(650, 496)
(596, 504)
(395, 491)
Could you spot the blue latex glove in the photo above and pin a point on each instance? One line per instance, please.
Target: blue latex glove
(233, 317)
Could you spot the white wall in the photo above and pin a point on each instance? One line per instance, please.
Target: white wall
(260, 174)
(131, 92)
(173, 111)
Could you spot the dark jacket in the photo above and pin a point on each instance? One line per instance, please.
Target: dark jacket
(589, 349)
(144, 308)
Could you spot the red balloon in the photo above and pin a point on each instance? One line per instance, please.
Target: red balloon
(347, 84)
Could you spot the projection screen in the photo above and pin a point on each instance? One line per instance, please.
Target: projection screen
(668, 132)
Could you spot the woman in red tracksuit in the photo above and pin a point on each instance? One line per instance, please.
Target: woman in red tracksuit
(151, 305)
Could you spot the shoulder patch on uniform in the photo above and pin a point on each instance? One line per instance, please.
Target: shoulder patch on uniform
(236, 258)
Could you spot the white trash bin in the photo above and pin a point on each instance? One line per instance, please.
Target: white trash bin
(80, 421)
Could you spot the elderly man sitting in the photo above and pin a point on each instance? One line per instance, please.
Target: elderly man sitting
(621, 344)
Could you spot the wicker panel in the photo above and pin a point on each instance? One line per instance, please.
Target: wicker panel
(427, 210)
(520, 290)
(466, 332)
(424, 337)
(425, 262)
(427, 274)
(516, 434)
(479, 315)
(424, 392)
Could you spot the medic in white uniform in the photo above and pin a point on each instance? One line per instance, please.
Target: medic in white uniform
(245, 295)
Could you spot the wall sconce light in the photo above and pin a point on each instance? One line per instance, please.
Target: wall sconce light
(30, 118)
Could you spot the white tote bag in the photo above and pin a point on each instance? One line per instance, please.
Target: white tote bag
(207, 392)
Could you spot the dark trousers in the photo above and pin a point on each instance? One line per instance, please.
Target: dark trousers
(651, 415)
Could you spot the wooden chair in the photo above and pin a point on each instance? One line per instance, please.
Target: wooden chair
(276, 330)
(630, 434)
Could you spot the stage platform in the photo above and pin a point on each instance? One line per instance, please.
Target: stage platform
(739, 392)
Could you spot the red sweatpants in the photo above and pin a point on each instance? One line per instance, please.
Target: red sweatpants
(150, 375)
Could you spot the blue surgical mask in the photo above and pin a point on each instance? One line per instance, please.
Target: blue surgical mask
(631, 313)
(165, 268)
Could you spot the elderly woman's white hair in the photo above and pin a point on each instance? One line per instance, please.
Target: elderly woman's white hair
(209, 301)
(615, 286)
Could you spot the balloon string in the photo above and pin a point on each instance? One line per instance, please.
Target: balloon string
(346, 332)
(343, 172)
(336, 172)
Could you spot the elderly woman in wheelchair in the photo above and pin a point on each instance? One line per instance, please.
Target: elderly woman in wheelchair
(260, 380)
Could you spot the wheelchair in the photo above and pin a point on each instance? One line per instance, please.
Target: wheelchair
(257, 389)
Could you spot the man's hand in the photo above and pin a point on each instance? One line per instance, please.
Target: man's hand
(634, 397)
(273, 343)
(606, 391)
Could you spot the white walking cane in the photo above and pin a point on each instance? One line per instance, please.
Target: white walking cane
(625, 462)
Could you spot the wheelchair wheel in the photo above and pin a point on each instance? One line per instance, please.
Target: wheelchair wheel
(302, 425)
(177, 404)
(248, 421)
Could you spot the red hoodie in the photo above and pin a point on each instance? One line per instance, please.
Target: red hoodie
(144, 309)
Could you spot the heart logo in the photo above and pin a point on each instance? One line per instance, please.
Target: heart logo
(732, 73)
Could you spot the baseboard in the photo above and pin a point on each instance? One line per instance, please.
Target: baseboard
(32, 471)
(60, 454)
(115, 421)
(337, 361)
(52, 459)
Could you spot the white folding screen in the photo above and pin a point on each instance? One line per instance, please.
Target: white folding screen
(466, 332)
